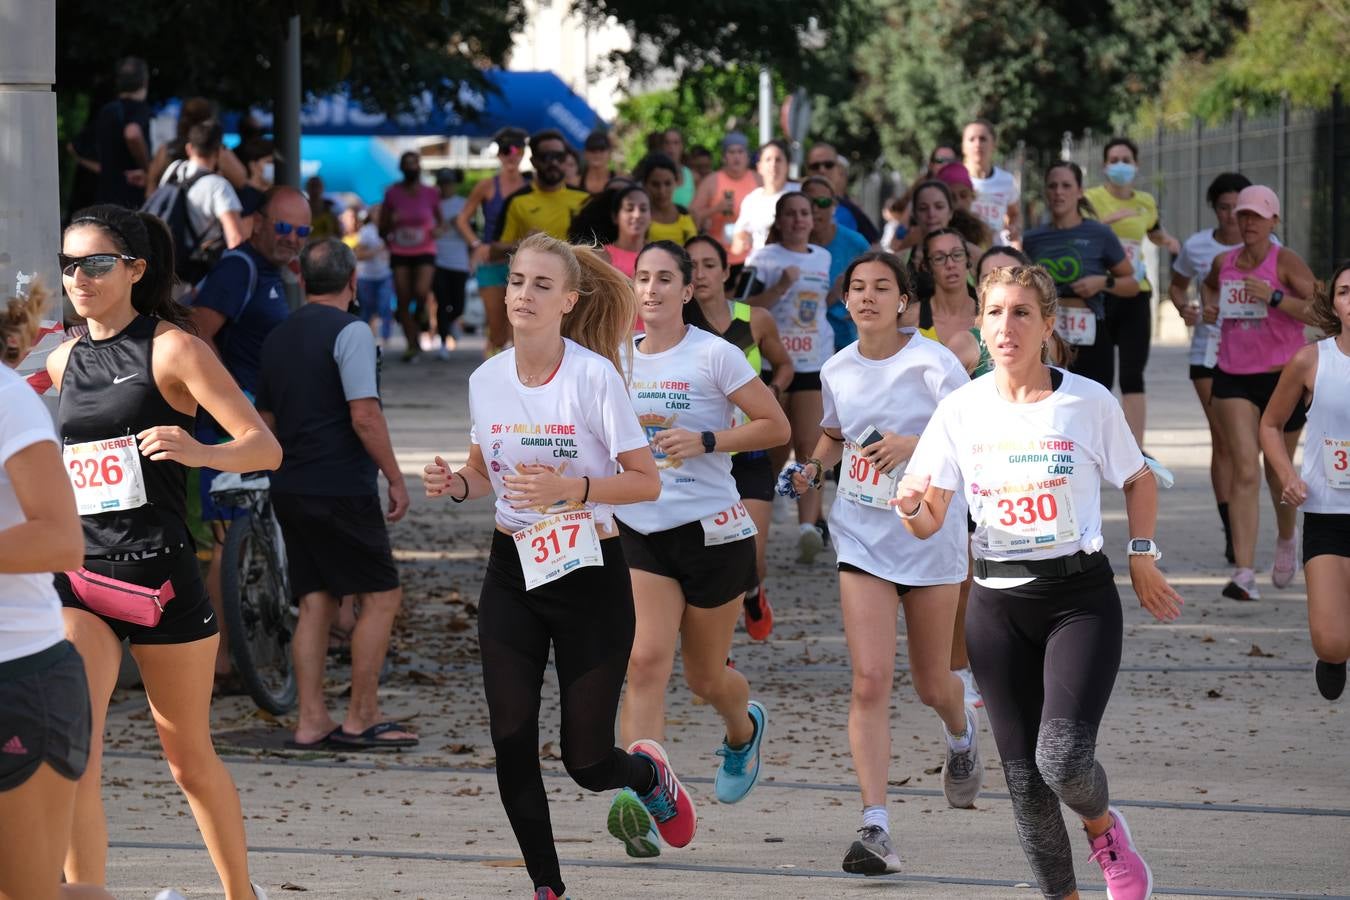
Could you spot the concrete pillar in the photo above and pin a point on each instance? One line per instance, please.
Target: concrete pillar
(30, 217)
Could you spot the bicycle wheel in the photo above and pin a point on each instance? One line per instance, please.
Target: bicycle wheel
(257, 612)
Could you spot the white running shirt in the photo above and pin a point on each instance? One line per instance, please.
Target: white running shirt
(1007, 457)
(896, 395)
(30, 612)
(758, 210)
(801, 312)
(578, 423)
(993, 196)
(686, 387)
(1326, 451)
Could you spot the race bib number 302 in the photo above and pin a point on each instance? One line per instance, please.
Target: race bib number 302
(862, 482)
(552, 547)
(1336, 462)
(1031, 520)
(1077, 325)
(731, 524)
(1236, 303)
(106, 475)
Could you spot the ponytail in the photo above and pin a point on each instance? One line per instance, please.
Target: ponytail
(20, 322)
(145, 237)
(605, 311)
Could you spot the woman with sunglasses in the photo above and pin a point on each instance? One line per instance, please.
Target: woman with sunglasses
(129, 391)
(409, 215)
(792, 281)
(490, 195)
(843, 244)
(44, 698)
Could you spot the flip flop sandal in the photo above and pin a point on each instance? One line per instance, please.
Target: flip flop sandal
(324, 743)
(370, 738)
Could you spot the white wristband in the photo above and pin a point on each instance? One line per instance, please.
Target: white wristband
(901, 513)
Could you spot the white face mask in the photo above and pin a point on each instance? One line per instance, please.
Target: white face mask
(269, 172)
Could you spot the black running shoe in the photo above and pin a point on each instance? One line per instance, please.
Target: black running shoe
(1330, 678)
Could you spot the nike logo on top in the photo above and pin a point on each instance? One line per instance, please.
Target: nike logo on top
(14, 747)
(208, 618)
(121, 378)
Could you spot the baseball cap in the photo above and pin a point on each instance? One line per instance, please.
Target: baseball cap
(735, 139)
(954, 173)
(1259, 199)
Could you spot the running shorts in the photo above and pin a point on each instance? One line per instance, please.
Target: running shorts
(187, 617)
(1199, 373)
(804, 381)
(413, 261)
(338, 545)
(44, 715)
(900, 589)
(1256, 389)
(709, 577)
(754, 476)
(1325, 534)
(493, 274)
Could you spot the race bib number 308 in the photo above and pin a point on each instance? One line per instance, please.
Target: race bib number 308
(1031, 520)
(106, 475)
(552, 547)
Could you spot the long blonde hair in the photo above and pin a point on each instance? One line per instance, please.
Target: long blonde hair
(20, 322)
(606, 306)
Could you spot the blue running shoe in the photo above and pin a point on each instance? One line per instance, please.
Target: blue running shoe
(740, 766)
(630, 822)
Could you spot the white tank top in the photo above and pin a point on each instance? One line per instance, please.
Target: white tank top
(1326, 453)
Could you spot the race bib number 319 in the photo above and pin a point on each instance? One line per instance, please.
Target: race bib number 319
(1031, 520)
(106, 475)
(552, 547)
(731, 524)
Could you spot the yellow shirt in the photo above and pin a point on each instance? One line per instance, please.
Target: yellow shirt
(548, 211)
(679, 231)
(1131, 219)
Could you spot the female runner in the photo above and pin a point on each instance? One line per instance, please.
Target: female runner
(409, 214)
(879, 393)
(754, 331)
(555, 439)
(693, 552)
(792, 279)
(129, 391)
(1320, 373)
(1028, 447)
(1260, 294)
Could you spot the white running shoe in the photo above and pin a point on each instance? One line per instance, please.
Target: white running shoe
(258, 892)
(973, 696)
(810, 541)
(169, 894)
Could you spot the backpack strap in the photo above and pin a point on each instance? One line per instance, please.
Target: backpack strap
(252, 275)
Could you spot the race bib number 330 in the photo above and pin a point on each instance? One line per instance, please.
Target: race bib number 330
(106, 475)
(1031, 520)
(552, 547)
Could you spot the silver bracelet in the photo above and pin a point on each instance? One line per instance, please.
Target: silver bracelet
(901, 513)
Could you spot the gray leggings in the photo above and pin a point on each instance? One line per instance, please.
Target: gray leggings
(1045, 656)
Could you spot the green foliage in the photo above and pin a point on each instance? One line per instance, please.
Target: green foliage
(705, 104)
(1299, 47)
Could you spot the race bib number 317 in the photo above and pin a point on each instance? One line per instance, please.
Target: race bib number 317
(552, 547)
(106, 475)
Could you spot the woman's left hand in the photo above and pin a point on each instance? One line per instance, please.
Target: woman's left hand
(535, 486)
(169, 442)
(678, 443)
(891, 451)
(1089, 286)
(1256, 287)
(1152, 589)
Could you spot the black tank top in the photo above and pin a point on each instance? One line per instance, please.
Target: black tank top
(108, 390)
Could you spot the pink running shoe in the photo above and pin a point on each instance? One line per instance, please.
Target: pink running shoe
(669, 803)
(1286, 562)
(1127, 876)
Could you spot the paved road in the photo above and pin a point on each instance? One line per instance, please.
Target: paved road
(1233, 770)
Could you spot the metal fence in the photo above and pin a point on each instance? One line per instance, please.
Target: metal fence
(1302, 154)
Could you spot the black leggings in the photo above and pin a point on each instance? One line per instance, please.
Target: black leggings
(1045, 656)
(587, 616)
(448, 286)
(1129, 326)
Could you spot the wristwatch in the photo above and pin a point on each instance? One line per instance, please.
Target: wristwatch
(709, 442)
(1110, 281)
(1276, 298)
(1144, 547)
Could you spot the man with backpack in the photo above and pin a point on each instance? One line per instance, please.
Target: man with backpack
(200, 207)
(234, 309)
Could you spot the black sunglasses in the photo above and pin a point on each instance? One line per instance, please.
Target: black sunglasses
(821, 165)
(556, 156)
(508, 148)
(96, 265)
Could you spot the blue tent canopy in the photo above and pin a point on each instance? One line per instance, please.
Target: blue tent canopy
(528, 100)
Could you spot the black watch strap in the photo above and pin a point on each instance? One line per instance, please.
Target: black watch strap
(709, 442)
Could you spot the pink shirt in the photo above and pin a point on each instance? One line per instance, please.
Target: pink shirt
(1249, 346)
(623, 260)
(414, 215)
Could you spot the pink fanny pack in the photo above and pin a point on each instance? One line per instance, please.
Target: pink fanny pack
(120, 599)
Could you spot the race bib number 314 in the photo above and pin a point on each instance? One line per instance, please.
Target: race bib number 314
(552, 547)
(106, 475)
(1077, 325)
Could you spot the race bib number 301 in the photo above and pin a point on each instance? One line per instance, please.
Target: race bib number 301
(862, 482)
(1236, 303)
(552, 547)
(1336, 462)
(1077, 325)
(106, 475)
(1031, 520)
(731, 524)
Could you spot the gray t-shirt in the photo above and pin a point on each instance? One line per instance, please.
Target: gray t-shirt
(1068, 254)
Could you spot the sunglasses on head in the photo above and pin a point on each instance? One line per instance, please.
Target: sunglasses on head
(551, 157)
(821, 165)
(822, 202)
(95, 265)
(285, 228)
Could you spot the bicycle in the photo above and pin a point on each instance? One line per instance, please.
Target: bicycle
(259, 611)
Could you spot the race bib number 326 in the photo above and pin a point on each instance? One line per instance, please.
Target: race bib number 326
(552, 547)
(106, 475)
